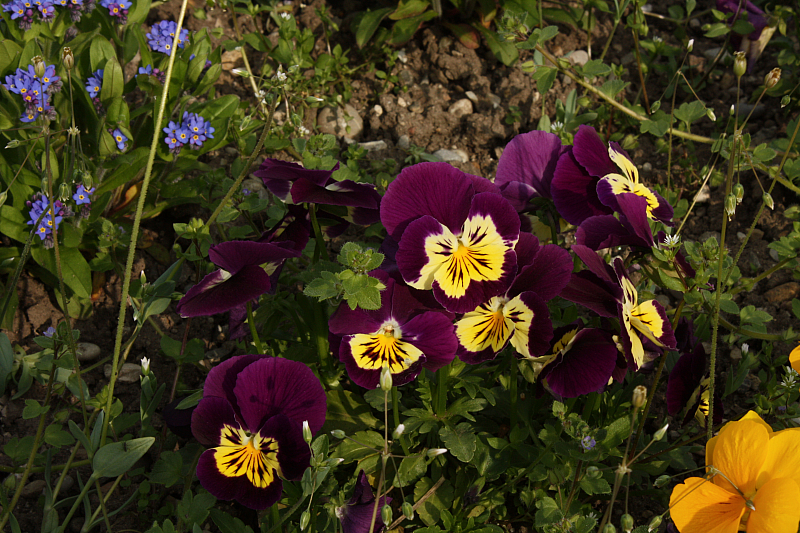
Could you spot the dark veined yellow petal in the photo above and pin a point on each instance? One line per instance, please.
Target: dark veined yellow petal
(637, 350)
(625, 164)
(242, 454)
(371, 352)
(646, 318)
(454, 262)
(488, 326)
(522, 316)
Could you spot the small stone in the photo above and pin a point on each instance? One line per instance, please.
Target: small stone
(402, 102)
(735, 354)
(783, 293)
(88, 351)
(68, 483)
(406, 78)
(663, 299)
(129, 373)
(703, 194)
(449, 156)
(461, 108)
(373, 146)
(741, 235)
(711, 53)
(404, 142)
(415, 108)
(695, 22)
(342, 122)
(472, 96)
(495, 100)
(753, 262)
(231, 59)
(745, 109)
(498, 151)
(33, 489)
(774, 255)
(377, 110)
(579, 57)
(647, 167)
(402, 56)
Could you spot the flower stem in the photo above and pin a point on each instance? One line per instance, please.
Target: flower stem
(251, 321)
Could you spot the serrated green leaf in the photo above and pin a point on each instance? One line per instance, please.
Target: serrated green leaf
(548, 512)
(411, 468)
(348, 412)
(460, 441)
(167, 470)
(593, 486)
(430, 511)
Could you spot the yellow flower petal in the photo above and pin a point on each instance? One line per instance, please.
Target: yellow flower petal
(698, 506)
(776, 508)
(739, 454)
(485, 327)
(783, 457)
(371, 352)
(794, 358)
(751, 415)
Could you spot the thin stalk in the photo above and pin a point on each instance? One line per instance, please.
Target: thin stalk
(251, 321)
(396, 413)
(126, 282)
(320, 250)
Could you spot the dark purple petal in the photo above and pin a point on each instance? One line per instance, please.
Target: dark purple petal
(531, 159)
(684, 380)
(356, 515)
(235, 488)
(526, 248)
(268, 387)
(437, 190)
(346, 192)
(434, 334)
(278, 176)
(585, 367)
(595, 264)
(411, 256)
(592, 154)
(605, 231)
(482, 184)
(574, 191)
(216, 294)
(209, 418)
(295, 228)
(237, 322)
(518, 194)
(540, 331)
(179, 421)
(634, 208)
(221, 379)
(293, 452)
(234, 255)
(586, 289)
(363, 216)
(547, 276)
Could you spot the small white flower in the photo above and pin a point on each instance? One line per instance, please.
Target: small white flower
(672, 240)
(690, 46)
(239, 72)
(790, 379)
(302, 130)
(399, 431)
(433, 452)
(556, 126)
(285, 15)
(745, 348)
(280, 75)
(658, 39)
(145, 365)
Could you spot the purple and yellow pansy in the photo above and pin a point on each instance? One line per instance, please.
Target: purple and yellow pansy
(451, 237)
(356, 516)
(403, 335)
(252, 416)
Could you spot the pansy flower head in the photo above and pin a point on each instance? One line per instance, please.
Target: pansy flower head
(252, 415)
(244, 274)
(452, 237)
(403, 335)
(520, 315)
(356, 515)
(640, 318)
(527, 165)
(752, 483)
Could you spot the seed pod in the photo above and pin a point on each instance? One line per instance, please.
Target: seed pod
(710, 114)
(386, 379)
(64, 192)
(772, 78)
(609, 528)
(767, 197)
(661, 481)
(408, 510)
(3, 197)
(730, 205)
(67, 58)
(639, 396)
(386, 515)
(626, 521)
(660, 433)
(738, 190)
(305, 518)
(38, 65)
(338, 434)
(654, 523)
(739, 64)
(87, 180)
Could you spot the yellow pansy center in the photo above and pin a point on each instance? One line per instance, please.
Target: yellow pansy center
(384, 347)
(628, 181)
(642, 317)
(494, 323)
(244, 454)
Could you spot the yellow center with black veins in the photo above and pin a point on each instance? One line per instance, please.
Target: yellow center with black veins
(384, 347)
(493, 323)
(477, 254)
(629, 182)
(243, 454)
(642, 317)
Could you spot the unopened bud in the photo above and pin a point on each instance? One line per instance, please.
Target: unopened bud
(772, 78)
(67, 58)
(240, 72)
(661, 481)
(307, 436)
(408, 510)
(305, 518)
(143, 278)
(64, 192)
(3, 197)
(386, 515)
(785, 100)
(38, 65)
(593, 472)
(730, 205)
(739, 64)
(639, 396)
(13, 143)
(626, 521)
(433, 452)
(654, 523)
(690, 45)
(732, 110)
(87, 180)
(145, 365)
(609, 528)
(398, 431)
(386, 379)
(338, 434)
(738, 191)
(660, 433)
(710, 114)
(45, 184)
(768, 201)
(656, 106)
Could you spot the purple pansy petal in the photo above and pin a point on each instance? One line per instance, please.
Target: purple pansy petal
(503, 215)
(634, 208)
(235, 488)
(547, 276)
(438, 190)
(434, 334)
(363, 216)
(664, 211)
(293, 452)
(295, 228)
(482, 184)
(591, 153)
(234, 255)
(518, 194)
(595, 263)
(684, 379)
(346, 321)
(477, 291)
(278, 176)
(585, 367)
(574, 191)
(370, 378)
(218, 292)
(605, 231)
(540, 329)
(531, 159)
(346, 192)
(237, 322)
(179, 421)
(526, 248)
(209, 418)
(357, 515)
(221, 380)
(590, 291)
(271, 386)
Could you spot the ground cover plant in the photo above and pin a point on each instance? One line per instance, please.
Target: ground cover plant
(436, 266)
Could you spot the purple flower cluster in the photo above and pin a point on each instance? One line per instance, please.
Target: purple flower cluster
(35, 91)
(159, 74)
(194, 131)
(117, 9)
(94, 83)
(40, 204)
(24, 11)
(83, 198)
(162, 36)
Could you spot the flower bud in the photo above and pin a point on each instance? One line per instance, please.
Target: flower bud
(690, 45)
(87, 180)
(661, 481)
(739, 64)
(3, 197)
(64, 192)
(738, 191)
(408, 510)
(655, 106)
(433, 452)
(305, 518)
(338, 434)
(639, 396)
(772, 78)
(730, 205)
(785, 100)
(38, 65)
(307, 436)
(626, 521)
(386, 379)
(654, 523)
(732, 110)
(768, 201)
(145, 365)
(45, 184)
(609, 528)
(13, 143)
(660, 433)
(386, 515)
(240, 72)
(398, 431)
(710, 114)
(67, 58)
(593, 472)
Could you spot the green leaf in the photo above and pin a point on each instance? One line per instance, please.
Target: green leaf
(113, 81)
(365, 24)
(409, 8)
(617, 432)
(658, 124)
(7, 361)
(54, 435)
(81, 436)
(14, 223)
(460, 441)
(548, 512)
(764, 153)
(101, 51)
(9, 52)
(430, 511)
(137, 14)
(219, 108)
(411, 468)
(691, 111)
(228, 524)
(194, 509)
(505, 51)
(612, 88)
(795, 310)
(729, 306)
(544, 76)
(348, 412)
(76, 271)
(593, 486)
(404, 30)
(594, 68)
(33, 409)
(717, 29)
(751, 315)
(117, 458)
